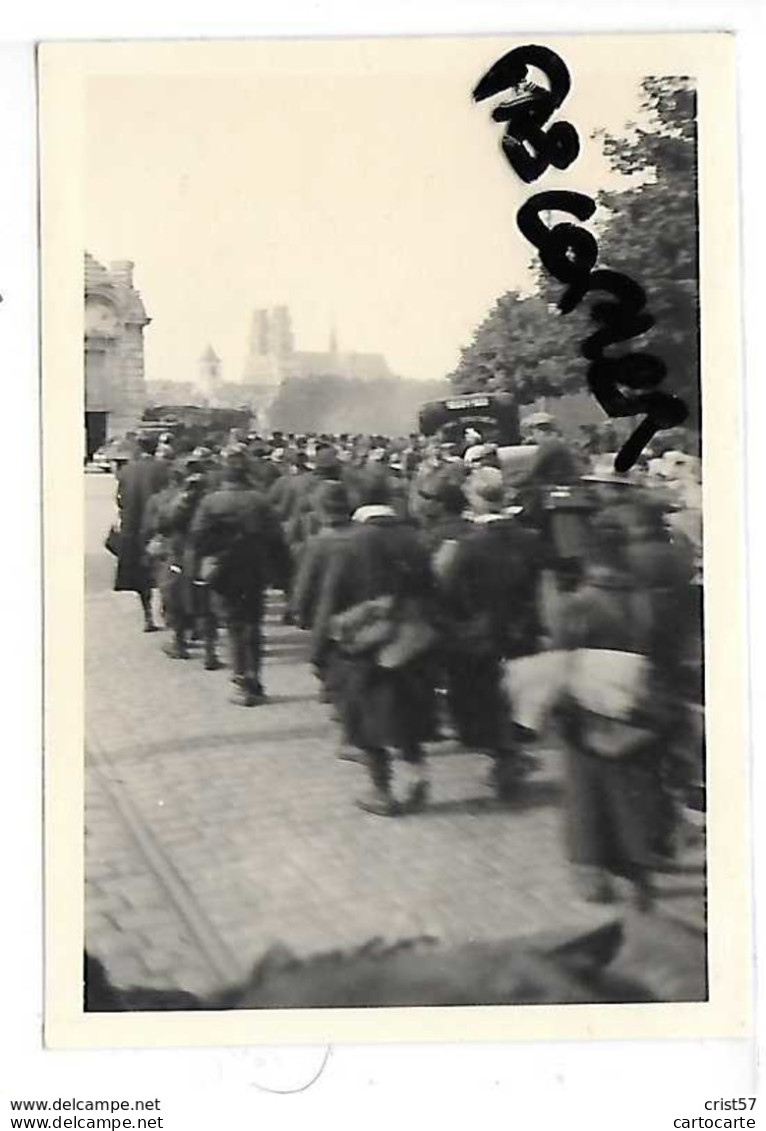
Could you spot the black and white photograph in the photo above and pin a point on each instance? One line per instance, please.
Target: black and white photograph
(380, 369)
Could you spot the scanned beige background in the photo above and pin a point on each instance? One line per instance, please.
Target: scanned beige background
(64, 70)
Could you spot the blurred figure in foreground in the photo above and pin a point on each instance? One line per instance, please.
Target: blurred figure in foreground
(611, 719)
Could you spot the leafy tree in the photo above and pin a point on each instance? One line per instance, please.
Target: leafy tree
(652, 233)
(521, 346)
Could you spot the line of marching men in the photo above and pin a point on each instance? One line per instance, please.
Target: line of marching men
(431, 582)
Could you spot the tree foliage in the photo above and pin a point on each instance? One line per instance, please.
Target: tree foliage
(649, 232)
(652, 234)
(520, 347)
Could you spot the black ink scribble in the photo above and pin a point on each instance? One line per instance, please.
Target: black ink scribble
(567, 251)
(528, 148)
(625, 385)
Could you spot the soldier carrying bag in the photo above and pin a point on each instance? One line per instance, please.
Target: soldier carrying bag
(361, 629)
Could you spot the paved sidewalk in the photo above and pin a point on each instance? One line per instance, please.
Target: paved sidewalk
(215, 831)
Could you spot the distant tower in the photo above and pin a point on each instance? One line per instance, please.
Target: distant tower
(259, 340)
(333, 342)
(282, 342)
(210, 374)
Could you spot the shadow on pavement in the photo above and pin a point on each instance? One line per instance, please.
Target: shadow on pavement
(533, 795)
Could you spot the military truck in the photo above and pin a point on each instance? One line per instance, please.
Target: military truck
(494, 416)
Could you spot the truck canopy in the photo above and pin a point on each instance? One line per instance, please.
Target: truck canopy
(495, 416)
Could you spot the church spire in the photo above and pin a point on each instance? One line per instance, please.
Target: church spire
(333, 341)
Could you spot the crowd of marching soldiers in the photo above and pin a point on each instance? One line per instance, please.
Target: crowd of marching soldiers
(420, 570)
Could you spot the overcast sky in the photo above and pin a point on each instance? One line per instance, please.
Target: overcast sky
(358, 186)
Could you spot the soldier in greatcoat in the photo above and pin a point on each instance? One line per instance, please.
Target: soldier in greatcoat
(239, 550)
(442, 517)
(335, 515)
(174, 522)
(488, 596)
(334, 510)
(158, 550)
(383, 709)
(140, 478)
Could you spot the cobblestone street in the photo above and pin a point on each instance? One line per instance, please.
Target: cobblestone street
(214, 832)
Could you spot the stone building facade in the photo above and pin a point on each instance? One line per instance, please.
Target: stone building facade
(115, 319)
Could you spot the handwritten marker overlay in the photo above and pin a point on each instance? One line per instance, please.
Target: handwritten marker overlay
(625, 385)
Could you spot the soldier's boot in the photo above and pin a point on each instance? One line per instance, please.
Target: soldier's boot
(256, 688)
(164, 613)
(212, 663)
(243, 694)
(177, 650)
(348, 753)
(239, 696)
(249, 693)
(238, 663)
(506, 776)
(145, 597)
(643, 894)
(412, 783)
(379, 799)
(594, 884)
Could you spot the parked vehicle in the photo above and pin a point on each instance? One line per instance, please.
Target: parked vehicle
(494, 416)
(191, 425)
